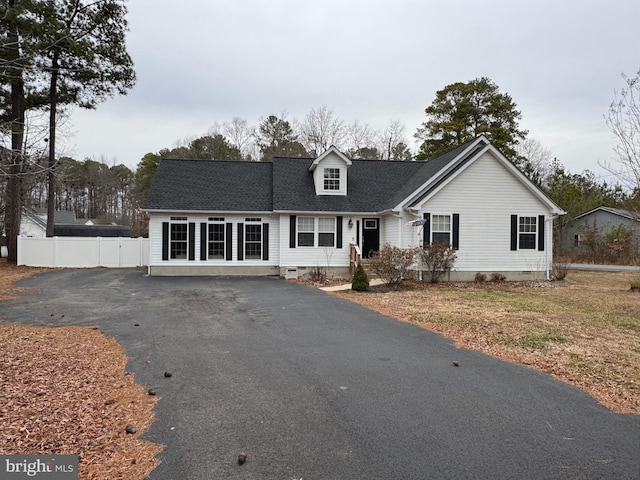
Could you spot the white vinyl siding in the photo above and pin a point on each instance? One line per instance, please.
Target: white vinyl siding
(486, 194)
(335, 167)
(318, 256)
(155, 240)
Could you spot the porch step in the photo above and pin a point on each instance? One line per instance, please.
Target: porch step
(366, 264)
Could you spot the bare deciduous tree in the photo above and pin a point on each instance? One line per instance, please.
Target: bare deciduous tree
(321, 129)
(623, 119)
(538, 156)
(393, 143)
(362, 141)
(240, 135)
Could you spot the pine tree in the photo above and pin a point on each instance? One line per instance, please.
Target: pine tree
(360, 281)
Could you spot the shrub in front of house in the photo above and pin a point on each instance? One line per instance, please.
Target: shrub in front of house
(559, 270)
(480, 277)
(360, 281)
(437, 260)
(392, 264)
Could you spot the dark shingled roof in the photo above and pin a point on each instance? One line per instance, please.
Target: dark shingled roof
(286, 184)
(91, 231)
(211, 185)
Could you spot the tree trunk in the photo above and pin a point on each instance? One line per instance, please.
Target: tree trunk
(14, 183)
(53, 105)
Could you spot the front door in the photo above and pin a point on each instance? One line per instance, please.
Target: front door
(370, 236)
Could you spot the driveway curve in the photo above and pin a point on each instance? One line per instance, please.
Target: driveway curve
(312, 386)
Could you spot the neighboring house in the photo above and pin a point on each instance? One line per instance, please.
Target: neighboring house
(599, 223)
(34, 221)
(65, 224)
(293, 215)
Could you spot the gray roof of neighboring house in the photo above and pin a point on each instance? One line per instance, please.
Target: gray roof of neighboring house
(286, 184)
(615, 211)
(59, 216)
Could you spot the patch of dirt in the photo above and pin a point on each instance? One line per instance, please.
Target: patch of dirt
(66, 391)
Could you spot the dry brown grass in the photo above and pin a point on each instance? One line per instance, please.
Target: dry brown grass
(584, 330)
(66, 391)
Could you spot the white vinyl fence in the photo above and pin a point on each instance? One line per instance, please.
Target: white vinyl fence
(83, 252)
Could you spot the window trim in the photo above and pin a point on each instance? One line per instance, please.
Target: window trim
(216, 222)
(436, 229)
(306, 232)
(314, 234)
(256, 244)
(531, 245)
(332, 232)
(184, 251)
(331, 179)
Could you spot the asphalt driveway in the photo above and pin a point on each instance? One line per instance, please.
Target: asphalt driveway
(314, 387)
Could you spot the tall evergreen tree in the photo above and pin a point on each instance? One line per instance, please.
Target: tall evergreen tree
(84, 56)
(463, 111)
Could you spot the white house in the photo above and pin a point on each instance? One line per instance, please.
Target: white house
(294, 214)
(33, 222)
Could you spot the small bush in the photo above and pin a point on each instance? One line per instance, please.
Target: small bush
(392, 264)
(559, 270)
(498, 277)
(438, 259)
(360, 281)
(318, 275)
(635, 285)
(480, 277)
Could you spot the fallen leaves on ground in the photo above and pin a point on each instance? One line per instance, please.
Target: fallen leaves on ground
(65, 390)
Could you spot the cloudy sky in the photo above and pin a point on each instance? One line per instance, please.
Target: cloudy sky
(204, 61)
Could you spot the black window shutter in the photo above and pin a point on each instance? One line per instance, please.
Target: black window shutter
(541, 233)
(165, 240)
(456, 231)
(339, 232)
(241, 241)
(192, 241)
(426, 230)
(292, 231)
(514, 232)
(265, 241)
(228, 241)
(203, 241)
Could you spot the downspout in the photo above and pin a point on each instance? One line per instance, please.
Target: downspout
(549, 242)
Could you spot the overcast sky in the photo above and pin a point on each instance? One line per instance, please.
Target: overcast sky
(204, 61)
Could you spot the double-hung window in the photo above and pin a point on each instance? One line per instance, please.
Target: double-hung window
(326, 232)
(253, 239)
(216, 238)
(306, 231)
(441, 229)
(527, 230)
(178, 234)
(332, 179)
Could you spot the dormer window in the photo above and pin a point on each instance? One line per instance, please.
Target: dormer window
(332, 179)
(330, 172)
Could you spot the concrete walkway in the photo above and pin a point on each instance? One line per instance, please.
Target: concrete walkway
(347, 286)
